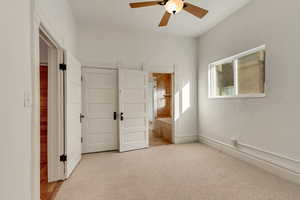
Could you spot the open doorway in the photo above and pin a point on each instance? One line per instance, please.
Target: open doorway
(51, 169)
(160, 108)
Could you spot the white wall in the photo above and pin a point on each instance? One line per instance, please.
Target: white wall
(100, 46)
(270, 123)
(56, 16)
(15, 146)
(15, 82)
(59, 16)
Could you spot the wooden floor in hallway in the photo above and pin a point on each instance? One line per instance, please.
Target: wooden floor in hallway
(49, 190)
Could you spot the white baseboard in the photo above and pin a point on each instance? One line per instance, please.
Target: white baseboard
(275, 169)
(186, 139)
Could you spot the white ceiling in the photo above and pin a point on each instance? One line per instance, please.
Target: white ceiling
(118, 14)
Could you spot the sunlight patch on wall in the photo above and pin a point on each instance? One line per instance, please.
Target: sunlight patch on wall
(177, 106)
(186, 101)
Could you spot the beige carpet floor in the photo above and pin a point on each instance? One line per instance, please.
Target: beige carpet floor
(173, 172)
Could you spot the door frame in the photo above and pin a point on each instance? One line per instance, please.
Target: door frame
(56, 170)
(173, 71)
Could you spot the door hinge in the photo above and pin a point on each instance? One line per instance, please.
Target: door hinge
(63, 158)
(63, 67)
(81, 78)
(81, 117)
(81, 139)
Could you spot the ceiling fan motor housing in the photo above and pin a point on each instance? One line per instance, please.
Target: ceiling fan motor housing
(174, 6)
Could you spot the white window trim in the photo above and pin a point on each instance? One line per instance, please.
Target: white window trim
(233, 59)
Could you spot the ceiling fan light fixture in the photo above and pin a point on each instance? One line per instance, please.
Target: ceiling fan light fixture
(174, 6)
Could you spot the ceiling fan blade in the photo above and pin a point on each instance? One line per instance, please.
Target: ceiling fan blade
(195, 10)
(144, 4)
(165, 19)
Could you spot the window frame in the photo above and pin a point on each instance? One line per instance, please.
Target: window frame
(234, 60)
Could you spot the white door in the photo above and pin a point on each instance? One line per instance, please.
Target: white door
(100, 105)
(73, 111)
(133, 122)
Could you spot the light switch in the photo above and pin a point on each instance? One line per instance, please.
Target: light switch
(27, 99)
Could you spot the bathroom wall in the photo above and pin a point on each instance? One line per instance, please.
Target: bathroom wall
(163, 95)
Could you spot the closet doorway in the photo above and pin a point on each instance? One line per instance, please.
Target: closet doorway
(126, 109)
(115, 108)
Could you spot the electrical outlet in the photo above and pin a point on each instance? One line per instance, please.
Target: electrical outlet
(234, 142)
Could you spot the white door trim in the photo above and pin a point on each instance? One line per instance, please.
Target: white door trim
(41, 24)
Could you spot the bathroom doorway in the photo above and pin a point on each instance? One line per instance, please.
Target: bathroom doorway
(160, 108)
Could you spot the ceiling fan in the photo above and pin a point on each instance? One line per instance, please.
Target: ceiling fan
(172, 7)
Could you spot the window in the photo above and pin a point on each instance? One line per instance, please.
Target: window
(242, 75)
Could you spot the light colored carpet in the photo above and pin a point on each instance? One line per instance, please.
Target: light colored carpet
(173, 172)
